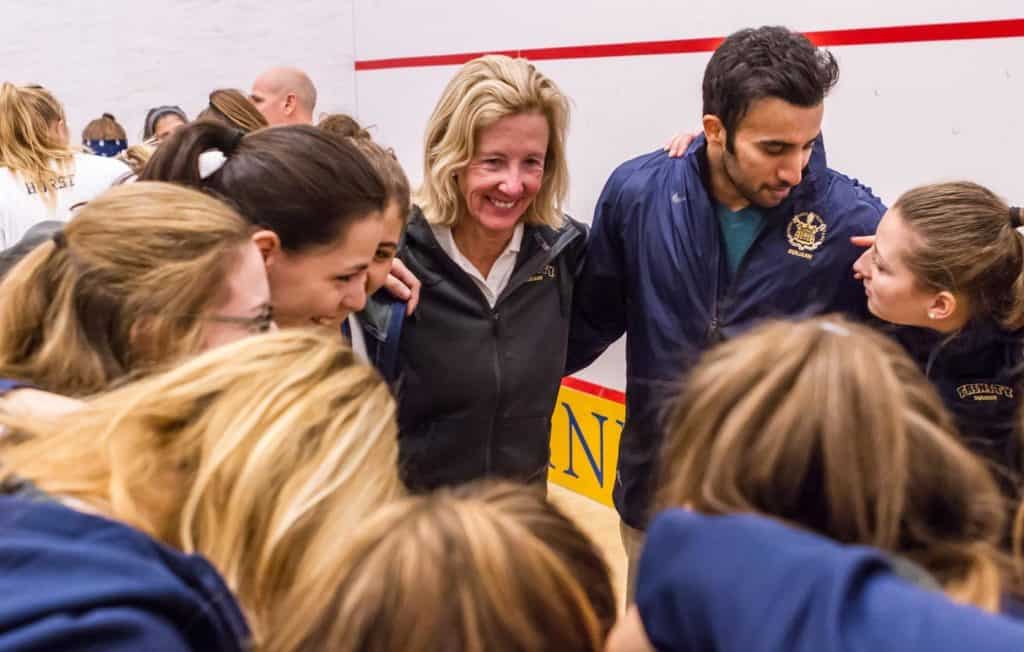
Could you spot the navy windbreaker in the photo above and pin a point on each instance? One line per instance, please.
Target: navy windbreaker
(656, 269)
(73, 581)
(978, 374)
(749, 584)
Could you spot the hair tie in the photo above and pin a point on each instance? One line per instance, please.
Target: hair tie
(59, 240)
(834, 328)
(231, 142)
(1016, 216)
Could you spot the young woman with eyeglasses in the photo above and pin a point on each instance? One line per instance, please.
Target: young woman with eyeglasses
(144, 274)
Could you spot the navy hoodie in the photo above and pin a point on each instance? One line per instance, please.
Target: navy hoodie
(73, 581)
(749, 584)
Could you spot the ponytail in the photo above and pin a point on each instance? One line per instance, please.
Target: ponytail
(305, 185)
(33, 297)
(122, 288)
(177, 159)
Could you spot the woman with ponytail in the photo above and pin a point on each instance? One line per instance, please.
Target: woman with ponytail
(144, 274)
(947, 266)
(315, 201)
(41, 178)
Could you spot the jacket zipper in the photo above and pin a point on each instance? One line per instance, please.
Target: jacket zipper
(496, 330)
(714, 327)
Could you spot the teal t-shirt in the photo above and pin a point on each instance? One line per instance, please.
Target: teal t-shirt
(739, 229)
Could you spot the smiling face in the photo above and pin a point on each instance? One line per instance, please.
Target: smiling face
(506, 172)
(894, 293)
(391, 233)
(323, 285)
(770, 148)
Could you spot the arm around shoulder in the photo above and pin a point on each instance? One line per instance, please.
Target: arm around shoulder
(599, 297)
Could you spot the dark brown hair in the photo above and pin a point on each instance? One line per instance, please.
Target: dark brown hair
(304, 184)
(384, 160)
(966, 244)
(105, 127)
(754, 64)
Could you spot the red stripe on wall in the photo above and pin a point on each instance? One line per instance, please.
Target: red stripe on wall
(986, 29)
(593, 389)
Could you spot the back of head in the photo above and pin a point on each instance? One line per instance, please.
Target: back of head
(444, 573)
(967, 243)
(766, 62)
(547, 523)
(262, 455)
(396, 183)
(830, 426)
(232, 108)
(305, 185)
(105, 136)
(33, 135)
(285, 85)
(482, 92)
(122, 287)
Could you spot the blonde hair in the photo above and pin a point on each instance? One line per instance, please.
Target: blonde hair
(232, 108)
(263, 455)
(123, 287)
(830, 426)
(967, 244)
(138, 155)
(481, 93)
(106, 127)
(29, 146)
(447, 573)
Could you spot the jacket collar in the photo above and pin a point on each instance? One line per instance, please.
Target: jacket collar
(803, 196)
(535, 238)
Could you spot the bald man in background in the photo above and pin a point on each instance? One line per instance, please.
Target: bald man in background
(285, 96)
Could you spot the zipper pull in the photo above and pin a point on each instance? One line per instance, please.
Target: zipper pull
(714, 335)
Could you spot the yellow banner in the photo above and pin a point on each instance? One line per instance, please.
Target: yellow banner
(585, 433)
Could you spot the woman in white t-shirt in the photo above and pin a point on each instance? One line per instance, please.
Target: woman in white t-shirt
(41, 178)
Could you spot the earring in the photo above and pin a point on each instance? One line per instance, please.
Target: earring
(931, 315)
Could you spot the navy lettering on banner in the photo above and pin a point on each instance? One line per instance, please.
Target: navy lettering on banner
(576, 435)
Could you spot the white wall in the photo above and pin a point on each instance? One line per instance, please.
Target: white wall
(901, 115)
(125, 57)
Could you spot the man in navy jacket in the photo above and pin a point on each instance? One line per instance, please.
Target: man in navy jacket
(749, 224)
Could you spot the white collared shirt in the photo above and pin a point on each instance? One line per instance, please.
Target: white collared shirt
(357, 338)
(501, 272)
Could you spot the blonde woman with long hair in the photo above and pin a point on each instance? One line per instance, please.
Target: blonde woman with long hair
(495, 569)
(829, 426)
(482, 361)
(142, 275)
(41, 178)
(263, 456)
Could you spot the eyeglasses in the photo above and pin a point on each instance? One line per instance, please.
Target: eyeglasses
(261, 323)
